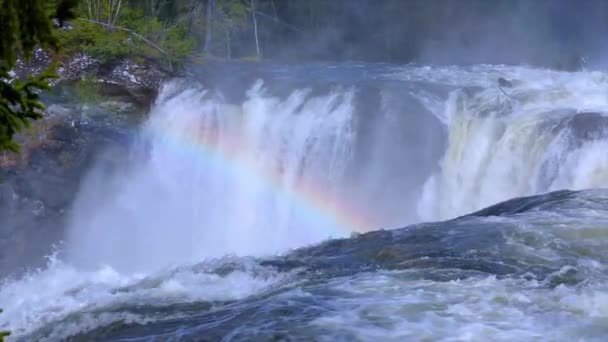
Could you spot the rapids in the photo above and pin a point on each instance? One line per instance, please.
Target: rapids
(243, 210)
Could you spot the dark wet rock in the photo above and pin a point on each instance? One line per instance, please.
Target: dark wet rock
(571, 130)
(588, 126)
(526, 204)
(504, 83)
(474, 246)
(471, 244)
(580, 127)
(40, 183)
(469, 247)
(141, 97)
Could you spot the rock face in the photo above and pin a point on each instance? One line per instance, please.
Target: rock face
(39, 184)
(139, 81)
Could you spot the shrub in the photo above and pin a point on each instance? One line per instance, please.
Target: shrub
(133, 34)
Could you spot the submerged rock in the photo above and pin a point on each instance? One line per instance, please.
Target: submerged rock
(588, 126)
(502, 82)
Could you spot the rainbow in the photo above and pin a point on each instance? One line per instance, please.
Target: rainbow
(311, 198)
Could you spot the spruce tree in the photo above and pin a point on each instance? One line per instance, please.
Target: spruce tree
(25, 25)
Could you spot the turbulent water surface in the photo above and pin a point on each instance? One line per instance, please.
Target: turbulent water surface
(251, 205)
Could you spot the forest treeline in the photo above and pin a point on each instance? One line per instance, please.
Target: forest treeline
(436, 31)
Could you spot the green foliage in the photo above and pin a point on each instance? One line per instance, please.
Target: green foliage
(19, 103)
(178, 43)
(231, 15)
(124, 36)
(96, 41)
(23, 26)
(233, 11)
(172, 36)
(4, 334)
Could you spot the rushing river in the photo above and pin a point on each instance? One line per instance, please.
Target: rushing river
(252, 202)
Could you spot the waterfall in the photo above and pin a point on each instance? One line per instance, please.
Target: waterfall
(278, 168)
(261, 176)
(164, 236)
(542, 137)
(215, 179)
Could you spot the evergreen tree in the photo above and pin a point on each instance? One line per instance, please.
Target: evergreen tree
(24, 25)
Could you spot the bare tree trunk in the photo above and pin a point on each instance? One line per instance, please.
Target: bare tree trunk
(117, 14)
(255, 30)
(90, 8)
(98, 10)
(208, 26)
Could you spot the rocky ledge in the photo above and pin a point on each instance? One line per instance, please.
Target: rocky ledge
(125, 77)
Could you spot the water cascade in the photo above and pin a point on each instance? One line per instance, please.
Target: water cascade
(209, 226)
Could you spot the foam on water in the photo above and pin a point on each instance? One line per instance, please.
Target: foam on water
(63, 300)
(190, 193)
(396, 307)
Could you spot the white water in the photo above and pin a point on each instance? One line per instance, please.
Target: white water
(219, 179)
(503, 147)
(181, 199)
(391, 306)
(175, 203)
(83, 300)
